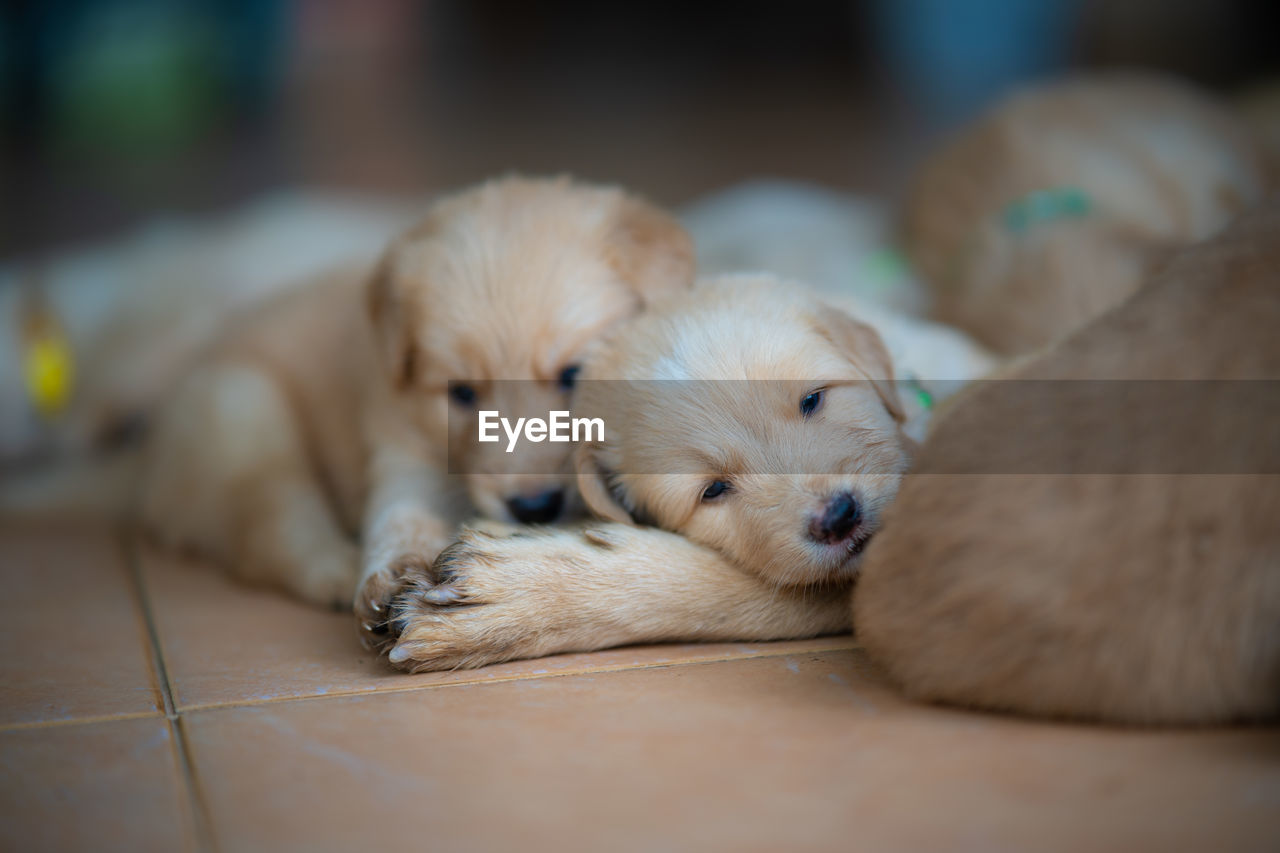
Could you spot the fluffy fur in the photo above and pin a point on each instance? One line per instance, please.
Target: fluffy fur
(733, 363)
(678, 417)
(1159, 165)
(323, 420)
(135, 312)
(1142, 597)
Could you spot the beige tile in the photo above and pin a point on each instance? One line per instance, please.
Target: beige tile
(74, 641)
(225, 644)
(93, 786)
(802, 752)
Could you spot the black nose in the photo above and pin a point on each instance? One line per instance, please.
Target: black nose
(839, 518)
(542, 508)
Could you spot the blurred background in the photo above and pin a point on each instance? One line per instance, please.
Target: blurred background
(115, 111)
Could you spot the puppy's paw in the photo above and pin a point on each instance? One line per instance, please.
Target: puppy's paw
(492, 598)
(374, 596)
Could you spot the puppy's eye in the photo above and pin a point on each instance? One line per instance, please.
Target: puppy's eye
(715, 490)
(568, 376)
(812, 402)
(463, 395)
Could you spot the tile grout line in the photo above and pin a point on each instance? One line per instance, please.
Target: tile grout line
(602, 670)
(203, 824)
(78, 721)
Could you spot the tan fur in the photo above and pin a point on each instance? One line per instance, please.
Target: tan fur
(309, 449)
(745, 566)
(1144, 597)
(701, 422)
(1161, 165)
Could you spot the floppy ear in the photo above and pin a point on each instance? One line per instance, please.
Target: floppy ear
(861, 344)
(392, 321)
(650, 250)
(593, 485)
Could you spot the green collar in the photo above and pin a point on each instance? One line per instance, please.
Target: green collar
(923, 397)
(1051, 205)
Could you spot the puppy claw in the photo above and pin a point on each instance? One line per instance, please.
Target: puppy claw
(399, 654)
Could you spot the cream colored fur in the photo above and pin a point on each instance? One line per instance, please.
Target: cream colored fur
(310, 448)
(744, 566)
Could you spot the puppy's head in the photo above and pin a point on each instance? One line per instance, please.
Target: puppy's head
(489, 304)
(752, 419)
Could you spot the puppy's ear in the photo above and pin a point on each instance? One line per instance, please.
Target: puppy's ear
(392, 321)
(650, 250)
(861, 344)
(593, 485)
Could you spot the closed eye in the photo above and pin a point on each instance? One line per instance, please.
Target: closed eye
(715, 490)
(811, 402)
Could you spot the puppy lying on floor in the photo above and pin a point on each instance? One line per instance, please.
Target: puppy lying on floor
(1116, 556)
(754, 420)
(1056, 204)
(326, 414)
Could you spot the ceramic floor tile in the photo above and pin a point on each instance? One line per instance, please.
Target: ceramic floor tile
(225, 644)
(800, 752)
(75, 644)
(94, 786)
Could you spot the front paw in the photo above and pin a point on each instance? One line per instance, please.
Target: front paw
(491, 598)
(375, 594)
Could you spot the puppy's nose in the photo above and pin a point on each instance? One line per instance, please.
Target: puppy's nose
(839, 518)
(542, 508)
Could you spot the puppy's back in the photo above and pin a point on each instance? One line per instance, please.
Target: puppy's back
(1138, 597)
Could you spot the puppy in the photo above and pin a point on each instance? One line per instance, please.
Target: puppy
(1098, 539)
(311, 448)
(110, 329)
(1055, 206)
(756, 422)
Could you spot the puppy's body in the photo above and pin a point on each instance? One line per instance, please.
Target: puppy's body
(1148, 596)
(749, 383)
(134, 313)
(326, 414)
(1057, 204)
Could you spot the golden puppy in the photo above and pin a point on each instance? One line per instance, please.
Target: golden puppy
(323, 420)
(757, 422)
(1100, 536)
(1055, 205)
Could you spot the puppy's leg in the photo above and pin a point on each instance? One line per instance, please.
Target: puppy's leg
(228, 474)
(495, 598)
(403, 532)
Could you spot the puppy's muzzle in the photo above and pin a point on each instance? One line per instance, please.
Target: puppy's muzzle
(542, 508)
(839, 520)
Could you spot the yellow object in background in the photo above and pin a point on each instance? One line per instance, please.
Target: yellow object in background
(50, 373)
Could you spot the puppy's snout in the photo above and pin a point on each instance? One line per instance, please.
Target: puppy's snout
(838, 520)
(542, 508)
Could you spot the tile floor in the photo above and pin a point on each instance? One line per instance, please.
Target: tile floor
(149, 704)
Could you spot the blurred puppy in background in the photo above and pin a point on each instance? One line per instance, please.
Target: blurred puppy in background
(91, 340)
(1056, 204)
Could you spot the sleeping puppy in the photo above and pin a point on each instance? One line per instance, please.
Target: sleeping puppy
(1057, 203)
(324, 419)
(756, 422)
(1116, 556)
